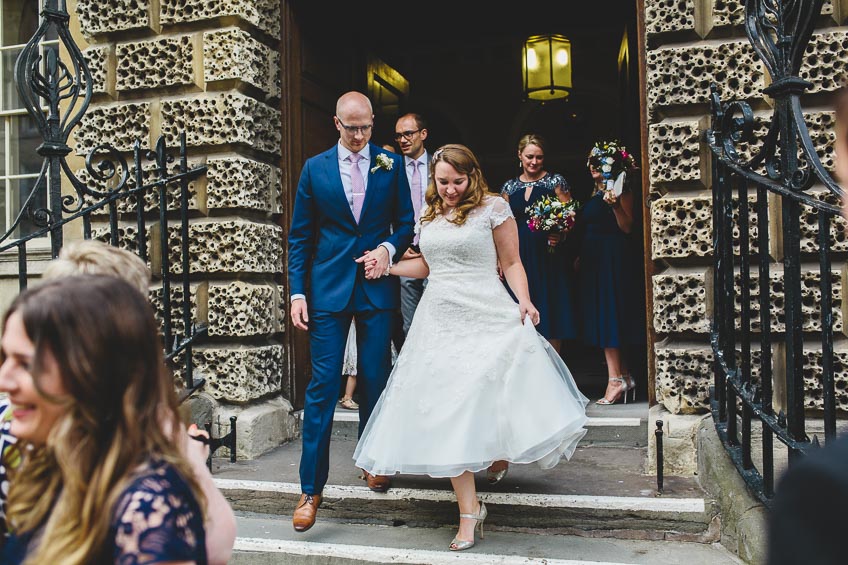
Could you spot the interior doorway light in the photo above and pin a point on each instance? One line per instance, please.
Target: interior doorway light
(547, 67)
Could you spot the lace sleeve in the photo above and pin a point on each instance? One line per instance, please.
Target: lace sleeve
(499, 211)
(8, 459)
(157, 519)
(557, 180)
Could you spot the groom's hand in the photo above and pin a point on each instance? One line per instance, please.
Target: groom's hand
(299, 314)
(376, 262)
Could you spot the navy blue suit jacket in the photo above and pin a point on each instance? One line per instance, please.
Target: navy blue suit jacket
(324, 238)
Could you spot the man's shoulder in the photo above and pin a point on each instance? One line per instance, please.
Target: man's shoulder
(331, 152)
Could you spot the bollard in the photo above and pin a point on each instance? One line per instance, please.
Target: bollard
(659, 436)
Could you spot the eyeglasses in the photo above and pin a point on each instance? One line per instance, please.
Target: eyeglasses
(407, 135)
(356, 129)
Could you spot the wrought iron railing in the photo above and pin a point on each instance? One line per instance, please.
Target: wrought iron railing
(56, 91)
(782, 166)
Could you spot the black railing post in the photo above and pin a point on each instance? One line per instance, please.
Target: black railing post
(828, 391)
(658, 434)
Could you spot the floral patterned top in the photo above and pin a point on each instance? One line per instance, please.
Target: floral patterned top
(157, 519)
(6, 458)
(549, 182)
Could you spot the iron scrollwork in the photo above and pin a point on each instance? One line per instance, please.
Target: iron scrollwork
(56, 93)
(784, 164)
(57, 96)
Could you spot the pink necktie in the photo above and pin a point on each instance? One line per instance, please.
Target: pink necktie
(416, 193)
(357, 185)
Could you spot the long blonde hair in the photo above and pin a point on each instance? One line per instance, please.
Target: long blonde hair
(120, 401)
(465, 162)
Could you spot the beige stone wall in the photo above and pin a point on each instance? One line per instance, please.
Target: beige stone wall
(211, 70)
(689, 44)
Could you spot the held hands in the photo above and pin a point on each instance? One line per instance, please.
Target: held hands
(526, 309)
(376, 263)
(554, 239)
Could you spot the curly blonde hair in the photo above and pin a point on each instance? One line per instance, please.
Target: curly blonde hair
(120, 399)
(465, 162)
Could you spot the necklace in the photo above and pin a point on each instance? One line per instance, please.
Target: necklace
(531, 180)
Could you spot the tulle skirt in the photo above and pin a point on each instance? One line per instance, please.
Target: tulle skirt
(511, 398)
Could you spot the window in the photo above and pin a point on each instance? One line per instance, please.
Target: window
(19, 135)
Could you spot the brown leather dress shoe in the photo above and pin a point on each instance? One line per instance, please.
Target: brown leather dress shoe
(377, 483)
(304, 514)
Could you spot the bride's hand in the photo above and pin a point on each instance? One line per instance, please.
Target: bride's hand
(527, 309)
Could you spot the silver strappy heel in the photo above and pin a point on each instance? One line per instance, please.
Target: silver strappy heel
(458, 544)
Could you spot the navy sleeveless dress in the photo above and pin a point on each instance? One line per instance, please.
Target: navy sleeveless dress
(549, 275)
(608, 279)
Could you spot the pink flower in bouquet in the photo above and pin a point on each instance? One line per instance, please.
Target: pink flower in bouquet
(550, 214)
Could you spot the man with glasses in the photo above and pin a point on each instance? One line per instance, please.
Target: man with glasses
(352, 203)
(410, 134)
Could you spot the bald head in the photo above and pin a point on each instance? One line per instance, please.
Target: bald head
(354, 120)
(353, 103)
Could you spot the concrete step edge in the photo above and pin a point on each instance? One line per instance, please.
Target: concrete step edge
(594, 421)
(572, 501)
(372, 554)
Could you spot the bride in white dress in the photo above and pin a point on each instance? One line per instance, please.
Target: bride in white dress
(474, 382)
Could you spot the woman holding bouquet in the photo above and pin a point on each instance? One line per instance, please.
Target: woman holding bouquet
(606, 272)
(542, 252)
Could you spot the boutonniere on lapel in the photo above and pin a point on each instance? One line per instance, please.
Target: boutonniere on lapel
(383, 162)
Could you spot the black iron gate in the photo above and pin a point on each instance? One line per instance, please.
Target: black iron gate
(152, 196)
(781, 166)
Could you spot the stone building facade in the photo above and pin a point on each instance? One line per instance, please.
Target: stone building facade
(213, 70)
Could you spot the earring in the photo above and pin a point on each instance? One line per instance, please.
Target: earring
(520, 166)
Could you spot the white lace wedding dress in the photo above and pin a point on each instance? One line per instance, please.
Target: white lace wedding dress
(472, 384)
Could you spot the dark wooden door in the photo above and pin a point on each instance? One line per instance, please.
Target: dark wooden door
(315, 72)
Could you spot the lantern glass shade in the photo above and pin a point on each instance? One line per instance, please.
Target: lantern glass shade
(547, 67)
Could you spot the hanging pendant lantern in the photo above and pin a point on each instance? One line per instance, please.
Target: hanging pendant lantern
(547, 67)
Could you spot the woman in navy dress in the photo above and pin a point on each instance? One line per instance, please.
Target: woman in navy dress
(608, 282)
(102, 477)
(549, 274)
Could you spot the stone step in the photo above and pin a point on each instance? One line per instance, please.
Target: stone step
(266, 540)
(642, 517)
(619, 424)
(603, 489)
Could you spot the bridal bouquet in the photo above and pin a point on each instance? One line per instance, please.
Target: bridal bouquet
(612, 159)
(550, 214)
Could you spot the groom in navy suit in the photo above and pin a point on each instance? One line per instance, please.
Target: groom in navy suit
(352, 203)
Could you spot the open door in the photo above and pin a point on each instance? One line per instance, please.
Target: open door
(468, 87)
(313, 74)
